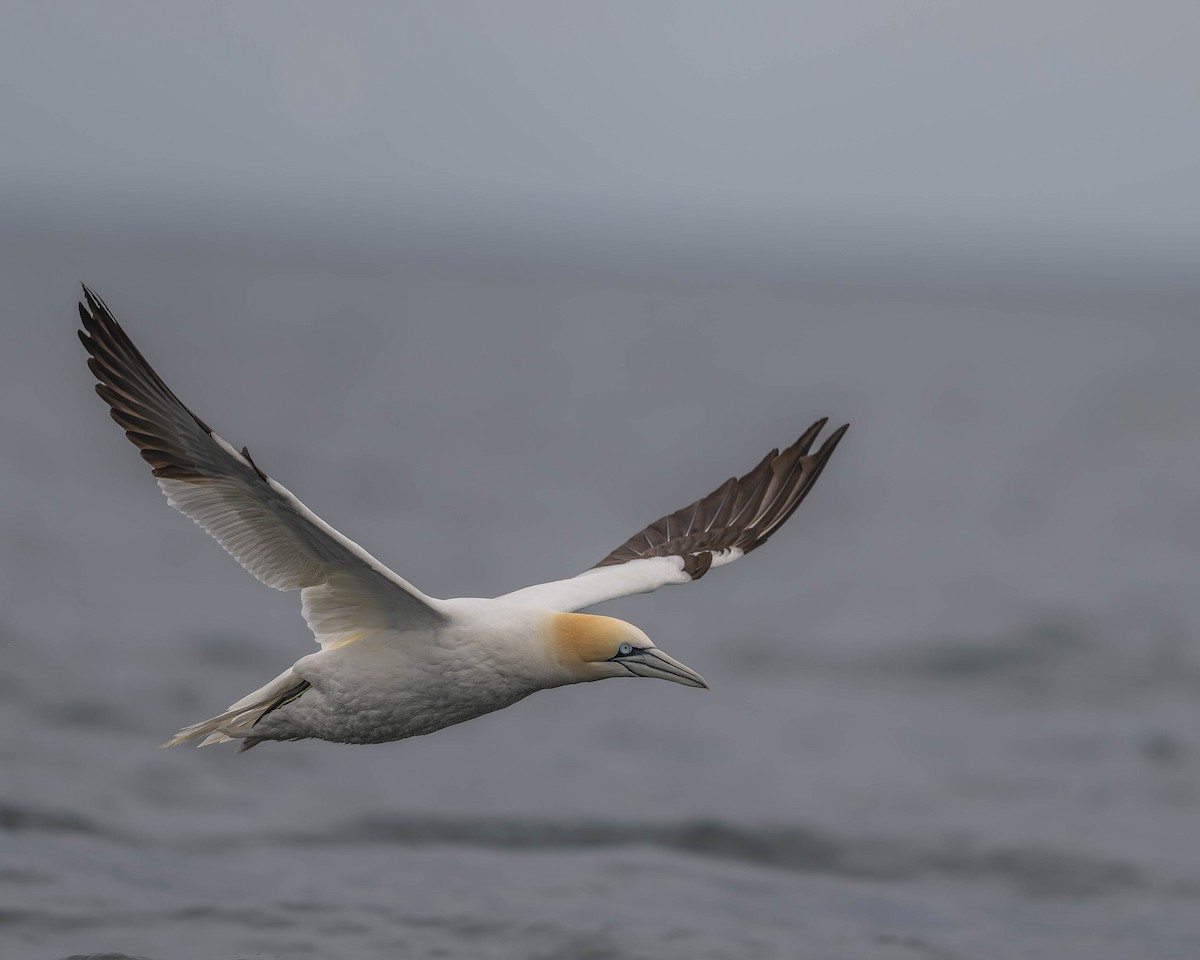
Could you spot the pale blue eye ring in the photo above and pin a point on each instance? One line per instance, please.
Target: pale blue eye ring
(625, 649)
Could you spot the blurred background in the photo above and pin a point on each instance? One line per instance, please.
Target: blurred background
(492, 285)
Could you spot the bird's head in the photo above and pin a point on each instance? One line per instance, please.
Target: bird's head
(588, 647)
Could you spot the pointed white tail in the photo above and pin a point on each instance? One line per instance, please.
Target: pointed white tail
(237, 722)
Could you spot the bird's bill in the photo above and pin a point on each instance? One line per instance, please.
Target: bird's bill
(652, 662)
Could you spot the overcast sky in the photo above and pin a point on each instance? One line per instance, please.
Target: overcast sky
(833, 121)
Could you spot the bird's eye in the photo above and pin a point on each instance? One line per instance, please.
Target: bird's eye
(625, 649)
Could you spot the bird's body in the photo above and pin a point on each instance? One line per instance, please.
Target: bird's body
(395, 685)
(395, 663)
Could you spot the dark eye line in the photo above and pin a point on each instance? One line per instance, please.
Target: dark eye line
(629, 653)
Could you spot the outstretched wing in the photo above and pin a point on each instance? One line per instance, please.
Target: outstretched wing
(737, 517)
(345, 592)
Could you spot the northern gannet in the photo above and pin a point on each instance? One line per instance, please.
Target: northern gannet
(395, 663)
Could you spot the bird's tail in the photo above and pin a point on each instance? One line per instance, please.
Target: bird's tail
(237, 722)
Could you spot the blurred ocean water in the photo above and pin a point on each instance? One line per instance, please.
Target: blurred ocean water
(954, 704)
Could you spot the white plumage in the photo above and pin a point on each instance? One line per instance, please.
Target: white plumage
(396, 663)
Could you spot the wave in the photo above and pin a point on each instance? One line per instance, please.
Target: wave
(1032, 870)
(21, 819)
(104, 956)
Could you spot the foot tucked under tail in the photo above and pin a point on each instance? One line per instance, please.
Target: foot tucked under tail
(237, 722)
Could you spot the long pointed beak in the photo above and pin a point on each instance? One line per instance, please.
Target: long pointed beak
(652, 662)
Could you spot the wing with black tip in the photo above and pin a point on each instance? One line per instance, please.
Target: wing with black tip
(736, 518)
(345, 592)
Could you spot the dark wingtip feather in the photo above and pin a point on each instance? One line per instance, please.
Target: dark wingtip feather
(833, 440)
(131, 388)
(94, 302)
(117, 362)
(742, 513)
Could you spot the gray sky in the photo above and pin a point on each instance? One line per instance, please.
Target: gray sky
(737, 126)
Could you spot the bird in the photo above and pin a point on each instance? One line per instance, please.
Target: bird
(393, 662)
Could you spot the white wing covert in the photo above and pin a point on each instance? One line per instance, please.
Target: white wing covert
(344, 590)
(737, 517)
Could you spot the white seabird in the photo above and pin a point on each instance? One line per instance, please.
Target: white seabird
(395, 663)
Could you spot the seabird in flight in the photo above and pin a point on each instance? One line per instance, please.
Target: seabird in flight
(395, 663)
